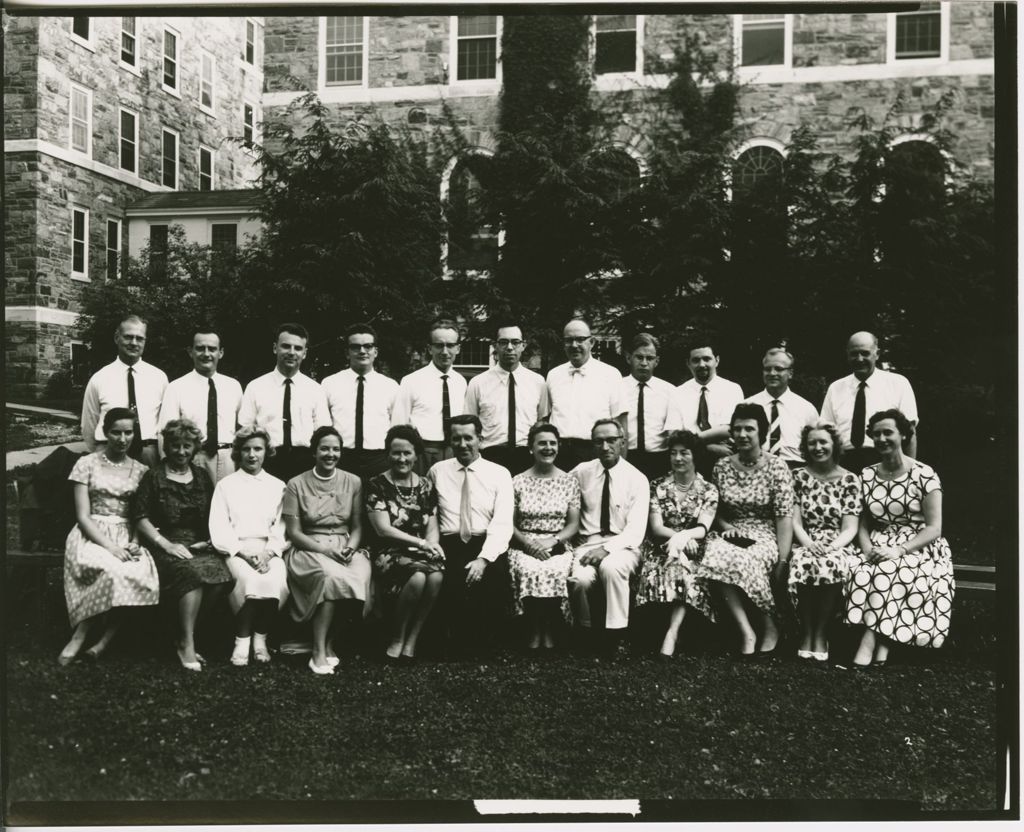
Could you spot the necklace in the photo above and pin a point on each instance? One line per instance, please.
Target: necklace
(684, 487)
(334, 473)
(746, 464)
(109, 461)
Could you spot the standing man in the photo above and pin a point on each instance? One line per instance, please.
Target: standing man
(287, 404)
(208, 399)
(651, 408)
(509, 399)
(787, 412)
(613, 521)
(706, 403)
(130, 382)
(361, 402)
(474, 511)
(850, 401)
(429, 398)
(582, 391)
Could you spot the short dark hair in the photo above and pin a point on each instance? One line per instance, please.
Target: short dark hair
(116, 414)
(541, 427)
(181, 429)
(644, 339)
(320, 433)
(702, 345)
(206, 330)
(830, 429)
(749, 410)
(687, 438)
(903, 424)
(468, 419)
(507, 324)
(406, 432)
(292, 329)
(360, 329)
(443, 323)
(608, 421)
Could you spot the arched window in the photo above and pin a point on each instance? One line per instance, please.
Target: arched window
(757, 172)
(915, 174)
(615, 174)
(758, 197)
(472, 242)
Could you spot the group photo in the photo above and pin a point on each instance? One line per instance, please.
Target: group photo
(423, 409)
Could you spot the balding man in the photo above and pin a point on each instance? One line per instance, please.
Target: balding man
(851, 401)
(787, 412)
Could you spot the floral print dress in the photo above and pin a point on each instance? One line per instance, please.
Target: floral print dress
(408, 509)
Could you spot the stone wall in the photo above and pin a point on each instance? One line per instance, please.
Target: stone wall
(21, 37)
(290, 53)
(33, 352)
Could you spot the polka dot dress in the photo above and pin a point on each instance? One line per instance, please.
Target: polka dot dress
(908, 599)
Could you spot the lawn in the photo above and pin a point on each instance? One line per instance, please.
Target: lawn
(25, 430)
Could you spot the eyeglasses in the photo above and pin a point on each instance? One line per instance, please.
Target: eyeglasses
(509, 342)
(361, 347)
(438, 346)
(581, 340)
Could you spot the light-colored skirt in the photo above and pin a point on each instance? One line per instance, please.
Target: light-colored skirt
(808, 569)
(746, 568)
(250, 584)
(314, 578)
(533, 578)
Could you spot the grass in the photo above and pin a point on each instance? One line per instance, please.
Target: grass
(24, 430)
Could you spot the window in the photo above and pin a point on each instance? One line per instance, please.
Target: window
(248, 124)
(472, 243)
(764, 40)
(81, 119)
(224, 237)
(253, 32)
(170, 64)
(615, 43)
(81, 29)
(760, 215)
(757, 169)
(80, 243)
(129, 141)
(918, 34)
(475, 355)
(80, 364)
(205, 169)
(113, 249)
(207, 74)
(129, 56)
(169, 159)
(158, 252)
(476, 47)
(614, 175)
(343, 50)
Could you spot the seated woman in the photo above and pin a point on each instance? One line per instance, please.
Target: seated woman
(104, 568)
(825, 516)
(172, 510)
(754, 532)
(683, 506)
(245, 526)
(547, 517)
(902, 590)
(402, 509)
(322, 516)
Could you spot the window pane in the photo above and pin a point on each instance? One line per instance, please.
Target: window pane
(158, 251)
(615, 22)
(80, 26)
(477, 24)
(79, 120)
(344, 30)
(250, 42)
(615, 52)
(764, 46)
(170, 60)
(477, 59)
(247, 123)
(113, 248)
(127, 142)
(224, 237)
(80, 369)
(344, 50)
(918, 35)
(205, 169)
(756, 18)
(170, 160)
(78, 242)
(756, 169)
(128, 40)
(206, 83)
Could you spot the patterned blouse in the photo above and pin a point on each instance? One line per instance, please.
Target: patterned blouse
(898, 502)
(542, 503)
(680, 509)
(181, 511)
(408, 508)
(761, 494)
(110, 486)
(823, 504)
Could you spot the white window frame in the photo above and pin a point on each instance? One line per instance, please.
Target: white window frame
(787, 46)
(177, 157)
(890, 40)
(453, 57)
(132, 68)
(106, 244)
(84, 273)
(209, 231)
(213, 166)
(255, 120)
(135, 140)
(205, 57)
(88, 119)
(86, 42)
(758, 141)
(257, 43)
(612, 76)
(322, 57)
(175, 90)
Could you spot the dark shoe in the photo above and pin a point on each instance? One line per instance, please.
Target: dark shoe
(858, 668)
(768, 655)
(879, 663)
(745, 658)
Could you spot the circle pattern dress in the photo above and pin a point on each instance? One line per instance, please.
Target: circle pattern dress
(823, 505)
(665, 581)
(908, 599)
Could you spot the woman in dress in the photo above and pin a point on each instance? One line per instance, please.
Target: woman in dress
(104, 568)
(172, 510)
(683, 506)
(323, 522)
(902, 590)
(825, 516)
(547, 517)
(245, 526)
(754, 532)
(402, 508)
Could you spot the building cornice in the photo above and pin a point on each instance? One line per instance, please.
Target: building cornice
(80, 160)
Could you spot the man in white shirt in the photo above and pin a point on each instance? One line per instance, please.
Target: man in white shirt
(851, 401)
(508, 395)
(651, 410)
(582, 391)
(287, 404)
(361, 402)
(787, 412)
(130, 382)
(431, 396)
(613, 522)
(208, 399)
(474, 511)
(706, 403)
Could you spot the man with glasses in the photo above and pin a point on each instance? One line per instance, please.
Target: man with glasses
(788, 414)
(509, 399)
(429, 397)
(361, 402)
(582, 391)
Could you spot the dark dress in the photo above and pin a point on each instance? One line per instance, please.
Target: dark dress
(181, 513)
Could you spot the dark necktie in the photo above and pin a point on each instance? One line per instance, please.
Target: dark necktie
(212, 440)
(446, 409)
(859, 417)
(776, 426)
(641, 445)
(606, 504)
(286, 414)
(359, 412)
(511, 411)
(702, 410)
(135, 448)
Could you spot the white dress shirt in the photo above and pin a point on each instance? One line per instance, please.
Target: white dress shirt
(108, 388)
(263, 405)
(491, 501)
(582, 395)
(419, 400)
(246, 506)
(629, 501)
(722, 397)
(794, 413)
(379, 393)
(487, 397)
(883, 390)
(661, 413)
(187, 397)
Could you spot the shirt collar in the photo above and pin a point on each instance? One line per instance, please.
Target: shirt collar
(136, 366)
(281, 376)
(201, 377)
(436, 370)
